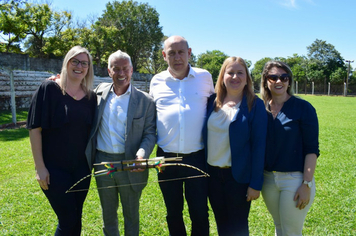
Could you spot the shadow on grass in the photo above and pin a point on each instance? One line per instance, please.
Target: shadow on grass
(6, 116)
(13, 134)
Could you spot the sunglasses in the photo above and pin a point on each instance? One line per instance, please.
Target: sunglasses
(76, 62)
(274, 78)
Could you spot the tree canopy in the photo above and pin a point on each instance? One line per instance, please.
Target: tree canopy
(324, 58)
(131, 27)
(212, 61)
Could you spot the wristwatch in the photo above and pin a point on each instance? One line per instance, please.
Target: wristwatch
(308, 183)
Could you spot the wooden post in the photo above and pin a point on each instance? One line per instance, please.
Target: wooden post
(296, 87)
(13, 101)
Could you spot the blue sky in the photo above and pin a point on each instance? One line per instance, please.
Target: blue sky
(249, 29)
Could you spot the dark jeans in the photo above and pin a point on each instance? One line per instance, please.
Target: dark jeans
(228, 201)
(195, 192)
(67, 206)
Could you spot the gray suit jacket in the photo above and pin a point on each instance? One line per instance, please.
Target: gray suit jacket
(140, 129)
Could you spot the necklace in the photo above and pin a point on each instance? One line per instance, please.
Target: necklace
(73, 95)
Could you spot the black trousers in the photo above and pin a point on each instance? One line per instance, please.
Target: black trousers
(195, 191)
(228, 201)
(67, 206)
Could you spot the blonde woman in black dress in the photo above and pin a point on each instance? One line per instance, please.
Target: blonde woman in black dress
(59, 123)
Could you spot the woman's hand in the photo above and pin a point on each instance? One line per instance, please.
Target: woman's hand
(252, 194)
(42, 176)
(302, 196)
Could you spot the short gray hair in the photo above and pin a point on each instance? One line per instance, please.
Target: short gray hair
(119, 55)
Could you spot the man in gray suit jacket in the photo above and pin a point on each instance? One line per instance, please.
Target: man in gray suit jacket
(124, 128)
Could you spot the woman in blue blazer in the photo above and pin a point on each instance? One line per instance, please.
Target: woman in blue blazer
(234, 135)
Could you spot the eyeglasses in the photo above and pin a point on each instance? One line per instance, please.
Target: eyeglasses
(76, 62)
(274, 78)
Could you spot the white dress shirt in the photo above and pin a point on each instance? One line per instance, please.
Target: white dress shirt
(112, 130)
(181, 109)
(218, 135)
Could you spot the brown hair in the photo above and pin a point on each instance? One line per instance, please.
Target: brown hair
(265, 92)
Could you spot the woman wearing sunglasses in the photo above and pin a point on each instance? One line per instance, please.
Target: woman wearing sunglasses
(234, 135)
(292, 149)
(59, 122)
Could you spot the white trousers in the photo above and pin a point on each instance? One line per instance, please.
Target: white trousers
(278, 193)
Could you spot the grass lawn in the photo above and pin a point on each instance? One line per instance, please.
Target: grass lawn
(25, 210)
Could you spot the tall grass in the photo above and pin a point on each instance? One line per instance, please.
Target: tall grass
(25, 210)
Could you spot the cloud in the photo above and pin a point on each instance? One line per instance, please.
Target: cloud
(289, 3)
(292, 4)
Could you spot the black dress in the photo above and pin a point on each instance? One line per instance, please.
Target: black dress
(66, 125)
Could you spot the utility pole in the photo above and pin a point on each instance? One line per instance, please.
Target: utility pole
(348, 75)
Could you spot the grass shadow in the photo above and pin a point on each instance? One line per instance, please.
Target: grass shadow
(13, 134)
(6, 116)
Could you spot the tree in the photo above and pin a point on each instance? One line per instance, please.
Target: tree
(59, 44)
(130, 27)
(338, 76)
(325, 59)
(193, 60)
(298, 65)
(155, 63)
(248, 63)
(42, 22)
(212, 61)
(11, 26)
(257, 70)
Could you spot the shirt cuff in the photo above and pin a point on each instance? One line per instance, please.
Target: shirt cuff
(141, 153)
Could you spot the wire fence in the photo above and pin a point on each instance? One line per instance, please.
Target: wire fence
(324, 89)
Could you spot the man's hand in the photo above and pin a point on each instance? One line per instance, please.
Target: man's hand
(138, 169)
(56, 78)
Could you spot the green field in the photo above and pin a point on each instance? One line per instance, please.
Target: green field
(25, 210)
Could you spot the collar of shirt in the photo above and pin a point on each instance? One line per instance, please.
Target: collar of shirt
(191, 74)
(128, 91)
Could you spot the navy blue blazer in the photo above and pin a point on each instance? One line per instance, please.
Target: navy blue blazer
(247, 134)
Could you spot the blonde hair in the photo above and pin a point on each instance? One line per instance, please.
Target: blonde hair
(87, 82)
(220, 87)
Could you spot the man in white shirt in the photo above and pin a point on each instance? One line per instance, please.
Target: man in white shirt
(181, 94)
(124, 128)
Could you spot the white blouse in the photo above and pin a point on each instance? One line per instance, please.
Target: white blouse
(219, 153)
